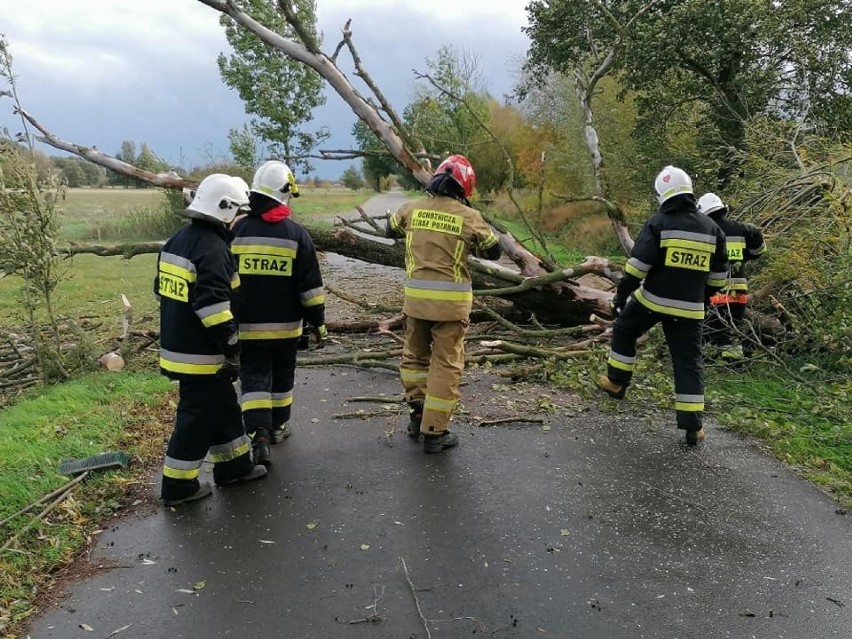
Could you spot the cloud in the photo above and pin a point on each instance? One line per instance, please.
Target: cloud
(99, 71)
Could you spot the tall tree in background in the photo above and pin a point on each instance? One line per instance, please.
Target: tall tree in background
(438, 119)
(713, 64)
(278, 92)
(377, 163)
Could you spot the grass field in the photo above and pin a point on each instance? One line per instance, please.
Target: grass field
(112, 215)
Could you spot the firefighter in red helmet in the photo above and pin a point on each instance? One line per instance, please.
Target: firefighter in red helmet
(440, 231)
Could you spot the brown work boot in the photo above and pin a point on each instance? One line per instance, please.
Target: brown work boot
(204, 490)
(437, 443)
(694, 437)
(609, 387)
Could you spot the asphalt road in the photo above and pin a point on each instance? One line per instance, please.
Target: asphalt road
(590, 525)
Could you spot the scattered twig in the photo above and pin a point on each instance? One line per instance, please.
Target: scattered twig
(416, 599)
(52, 495)
(375, 400)
(363, 414)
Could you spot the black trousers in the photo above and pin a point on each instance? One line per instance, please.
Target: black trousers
(721, 321)
(683, 337)
(267, 376)
(207, 420)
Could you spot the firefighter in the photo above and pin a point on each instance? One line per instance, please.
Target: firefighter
(281, 288)
(676, 262)
(440, 231)
(728, 307)
(196, 283)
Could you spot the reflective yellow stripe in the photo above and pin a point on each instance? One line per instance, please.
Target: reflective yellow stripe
(689, 407)
(314, 301)
(173, 269)
(668, 310)
(635, 272)
(458, 256)
(413, 374)
(263, 249)
(218, 318)
(257, 404)
(716, 283)
(233, 453)
(174, 473)
(235, 281)
(488, 242)
(438, 404)
(431, 294)
(620, 365)
(393, 220)
(283, 402)
(296, 332)
(409, 255)
(694, 245)
(189, 369)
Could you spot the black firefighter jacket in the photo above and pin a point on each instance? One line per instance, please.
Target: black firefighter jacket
(677, 260)
(281, 282)
(196, 282)
(744, 242)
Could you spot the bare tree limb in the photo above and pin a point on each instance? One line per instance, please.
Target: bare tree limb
(169, 180)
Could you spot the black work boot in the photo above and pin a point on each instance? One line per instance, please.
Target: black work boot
(260, 451)
(415, 418)
(257, 472)
(437, 443)
(280, 434)
(694, 437)
(204, 490)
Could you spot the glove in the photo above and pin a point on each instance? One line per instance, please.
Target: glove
(230, 369)
(615, 307)
(320, 334)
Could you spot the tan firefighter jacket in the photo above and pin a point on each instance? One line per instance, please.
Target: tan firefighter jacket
(440, 232)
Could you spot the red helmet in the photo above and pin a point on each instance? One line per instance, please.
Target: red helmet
(461, 170)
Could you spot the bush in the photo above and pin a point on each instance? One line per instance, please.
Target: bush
(352, 179)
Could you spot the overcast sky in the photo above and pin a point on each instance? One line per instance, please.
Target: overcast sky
(100, 71)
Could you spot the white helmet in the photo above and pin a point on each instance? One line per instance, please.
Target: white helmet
(672, 181)
(710, 203)
(275, 179)
(220, 196)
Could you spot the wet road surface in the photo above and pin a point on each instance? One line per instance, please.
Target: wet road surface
(590, 525)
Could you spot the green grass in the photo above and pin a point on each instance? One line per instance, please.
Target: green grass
(807, 427)
(313, 201)
(132, 215)
(93, 291)
(95, 413)
(563, 254)
(91, 214)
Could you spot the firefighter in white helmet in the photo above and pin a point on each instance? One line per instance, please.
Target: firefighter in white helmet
(728, 307)
(281, 292)
(196, 281)
(677, 261)
(440, 231)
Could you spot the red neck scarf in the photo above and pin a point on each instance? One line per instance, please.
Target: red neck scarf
(276, 213)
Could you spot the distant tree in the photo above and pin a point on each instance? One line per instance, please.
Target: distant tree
(378, 163)
(72, 173)
(352, 179)
(244, 147)
(127, 153)
(279, 92)
(148, 161)
(96, 176)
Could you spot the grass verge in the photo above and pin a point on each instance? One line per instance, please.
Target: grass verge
(96, 413)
